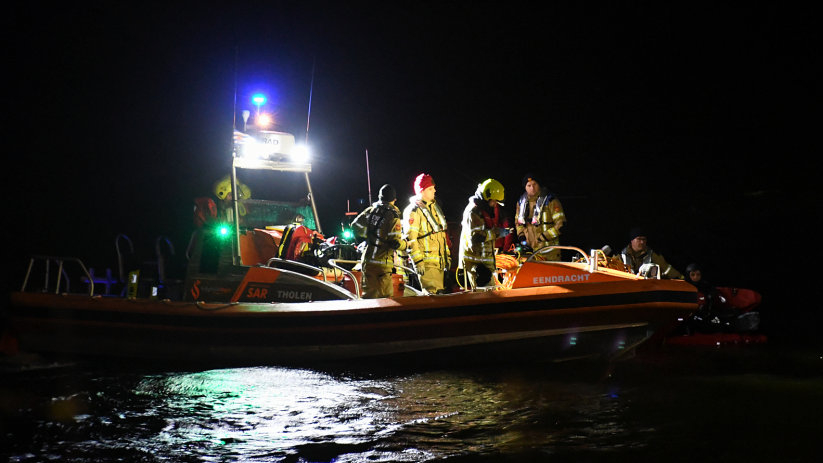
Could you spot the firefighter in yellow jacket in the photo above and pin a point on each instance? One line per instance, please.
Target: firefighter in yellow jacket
(222, 189)
(538, 218)
(424, 226)
(380, 225)
(479, 234)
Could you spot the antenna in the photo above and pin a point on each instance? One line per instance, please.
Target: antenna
(368, 176)
(311, 90)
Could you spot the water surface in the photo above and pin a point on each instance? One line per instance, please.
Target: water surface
(755, 404)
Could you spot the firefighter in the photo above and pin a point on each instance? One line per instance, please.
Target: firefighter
(222, 189)
(380, 225)
(208, 214)
(538, 218)
(637, 253)
(424, 227)
(479, 234)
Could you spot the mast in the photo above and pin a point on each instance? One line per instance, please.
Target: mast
(308, 183)
(235, 255)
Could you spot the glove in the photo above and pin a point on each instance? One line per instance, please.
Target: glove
(502, 232)
(394, 244)
(418, 266)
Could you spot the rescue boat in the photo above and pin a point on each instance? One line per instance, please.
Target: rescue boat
(282, 294)
(549, 311)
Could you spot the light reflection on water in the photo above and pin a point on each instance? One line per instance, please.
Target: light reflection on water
(281, 414)
(266, 411)
(261, 414)
(272, 412)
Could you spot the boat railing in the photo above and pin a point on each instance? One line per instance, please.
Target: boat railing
(547, 249)
(62, 274)
(276, 260)
(125, 257)
(649, 271)
(333, 263)
(410, 271)
(594, 260)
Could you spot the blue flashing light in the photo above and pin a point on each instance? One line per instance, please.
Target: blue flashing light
(258, 99)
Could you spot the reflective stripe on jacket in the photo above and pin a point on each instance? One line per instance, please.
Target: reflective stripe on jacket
(380, 225)
(477, 237)
(547, 215)
(424, 227)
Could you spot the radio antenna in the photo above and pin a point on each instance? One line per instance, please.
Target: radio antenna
(311, 90)
(368, 175)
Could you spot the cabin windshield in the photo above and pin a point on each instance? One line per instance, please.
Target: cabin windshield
(262, 213)
(277, 198)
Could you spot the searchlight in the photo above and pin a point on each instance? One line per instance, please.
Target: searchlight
(300, 154)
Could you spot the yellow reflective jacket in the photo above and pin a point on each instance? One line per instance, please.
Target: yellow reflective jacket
(476, 238)
(539, 219)
(424, 226)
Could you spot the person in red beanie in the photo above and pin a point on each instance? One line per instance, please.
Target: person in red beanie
(424, 226)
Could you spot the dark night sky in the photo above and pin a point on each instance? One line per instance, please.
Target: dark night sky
(690, 120)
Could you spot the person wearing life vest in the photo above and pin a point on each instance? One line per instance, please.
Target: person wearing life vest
(380, 225)
(538, 218)
(637, 253)
(479, 233)
(424, 227)
(222, 189)
(206, 210)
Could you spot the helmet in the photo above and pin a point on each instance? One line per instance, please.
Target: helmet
(491, 189)
(223, 187)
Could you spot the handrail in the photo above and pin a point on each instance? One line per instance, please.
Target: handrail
(61, 272)
(551, 248)
(161, 258)
(333, 264)
(121, 271)
(299, 264)
(422, 291)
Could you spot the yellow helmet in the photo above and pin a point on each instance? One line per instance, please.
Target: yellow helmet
(491, 189)
(223, 187)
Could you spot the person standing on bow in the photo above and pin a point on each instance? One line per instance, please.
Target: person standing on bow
(538, 218)
(637, 253)
(380, 225)
(424, 227)
(479, 233)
